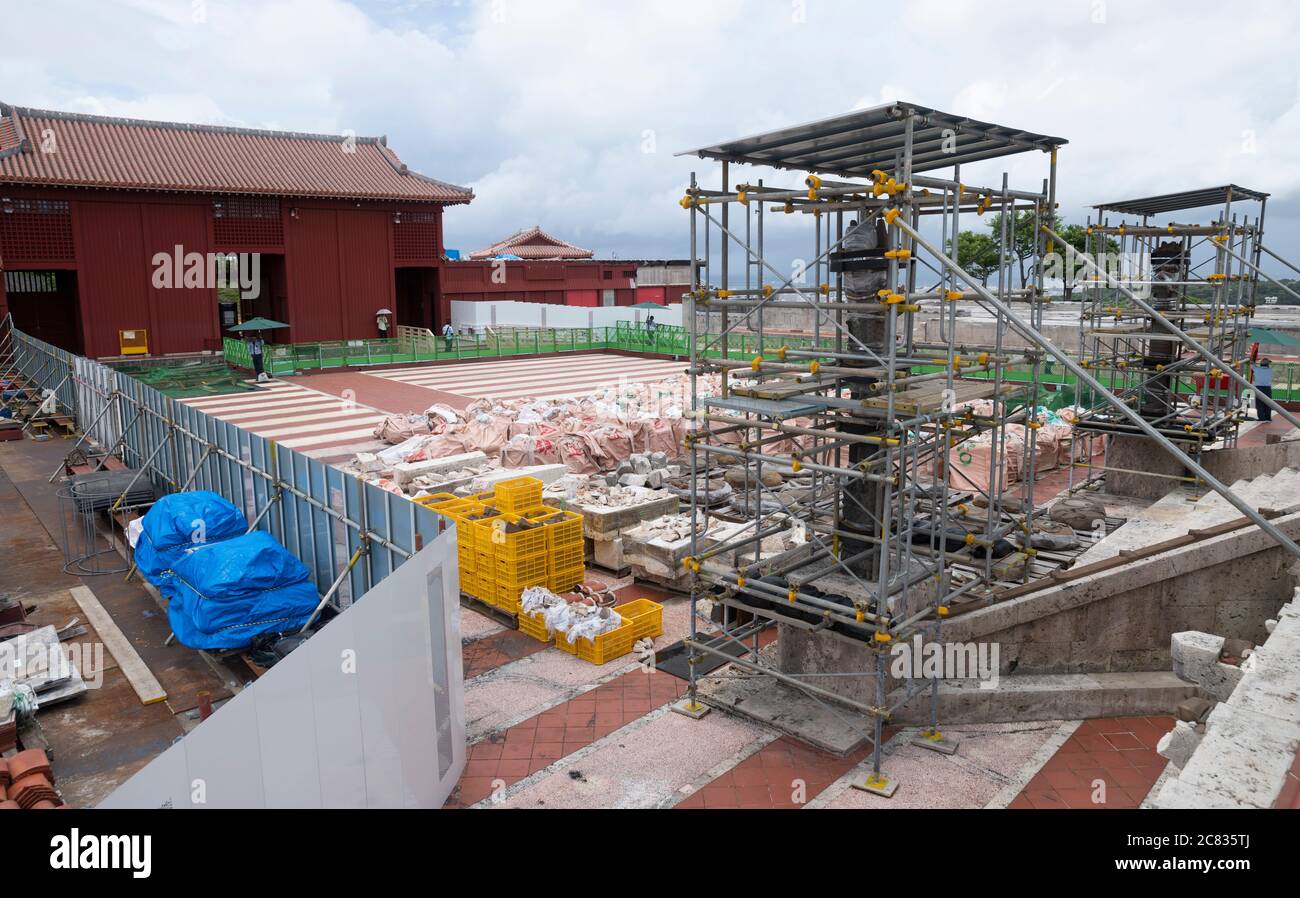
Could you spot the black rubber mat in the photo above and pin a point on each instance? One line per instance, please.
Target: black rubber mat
(672, 659)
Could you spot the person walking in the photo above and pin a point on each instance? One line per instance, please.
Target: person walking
(1263, 387)
(255, 350)
(448, 334)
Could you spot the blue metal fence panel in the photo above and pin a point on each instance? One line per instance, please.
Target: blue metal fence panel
(322, 516)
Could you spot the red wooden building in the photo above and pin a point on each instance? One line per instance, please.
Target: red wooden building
(341, 226)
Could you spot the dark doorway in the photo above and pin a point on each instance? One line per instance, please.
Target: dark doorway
(417, 297)
(46, 306)
(272, 297)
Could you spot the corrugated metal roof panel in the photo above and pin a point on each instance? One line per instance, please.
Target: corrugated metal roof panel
(855, 144)
(1185, 199)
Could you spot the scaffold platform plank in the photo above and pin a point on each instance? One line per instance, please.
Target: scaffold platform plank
(933, 395)
(767, 408)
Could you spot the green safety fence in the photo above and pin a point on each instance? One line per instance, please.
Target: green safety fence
(286, 358)
(665, 339)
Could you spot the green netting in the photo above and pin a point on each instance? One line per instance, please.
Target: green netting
(189, 379)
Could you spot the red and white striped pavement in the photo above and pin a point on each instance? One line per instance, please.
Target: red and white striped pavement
(328, 426)
(313, 423)
(550, 377)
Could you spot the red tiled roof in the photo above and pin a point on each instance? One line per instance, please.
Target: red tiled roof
(127, 154)
(533, 243)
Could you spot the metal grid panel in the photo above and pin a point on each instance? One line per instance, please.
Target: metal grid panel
(855, 144)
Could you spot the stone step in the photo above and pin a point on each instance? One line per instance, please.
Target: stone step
(1051, 697)
(1014, 698)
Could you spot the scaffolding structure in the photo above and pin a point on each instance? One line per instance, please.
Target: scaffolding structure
(871, 421)
(1201, 278)
(876, 419)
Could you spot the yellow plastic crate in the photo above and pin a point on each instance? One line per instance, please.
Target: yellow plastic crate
(563, 528)
(519, 543)
(534, 625)
(563, 580)
(529, 570)
(455, 508)
(647, 617)
(507, 597)
(433, 499)
(477, 533)
(605, 647)
(566, 558)
(519, 495)
(465, 556)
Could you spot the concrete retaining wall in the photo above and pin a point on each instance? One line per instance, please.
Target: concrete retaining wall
(1123, 619)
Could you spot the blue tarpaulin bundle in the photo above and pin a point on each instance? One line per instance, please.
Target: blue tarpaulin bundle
(180, 521)
(224, 594)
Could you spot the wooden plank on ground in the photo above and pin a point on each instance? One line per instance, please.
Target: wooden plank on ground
(142, 680)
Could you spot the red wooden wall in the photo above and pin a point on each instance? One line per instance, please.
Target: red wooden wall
(338, 259)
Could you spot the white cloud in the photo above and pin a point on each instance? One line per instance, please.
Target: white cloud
(543, 106)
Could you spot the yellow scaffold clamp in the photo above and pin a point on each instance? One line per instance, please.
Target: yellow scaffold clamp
(882, 636)
(788, 208)
(891, 214)
(887, 298)
(791, 596)
(982, 358)
(814, 366)
(740, 580)
(687, 201)
(757, 363)
(724, 294)
(1217, 276)
(796, 464)
(767, 290)
(742, 197)
(942, 610)
(956, 362)
(859, 615)
(691, 564)
(970, 539)
(780, 352)
(984, 206)
(898, 254)
(953, 295)
(824, 289)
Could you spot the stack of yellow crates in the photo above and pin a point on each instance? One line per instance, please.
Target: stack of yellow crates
(509, 541)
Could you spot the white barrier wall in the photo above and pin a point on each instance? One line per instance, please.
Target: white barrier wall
(535, 314)
(368, 713)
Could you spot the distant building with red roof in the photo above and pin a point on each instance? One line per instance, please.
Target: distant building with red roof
(90, 204)
(533, 243)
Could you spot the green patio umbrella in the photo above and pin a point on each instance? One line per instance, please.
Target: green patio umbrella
(647, 305)
(257, 324)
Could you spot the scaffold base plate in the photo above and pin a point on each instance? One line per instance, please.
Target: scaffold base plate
(692, 709)
(881, 785)
(942, 744)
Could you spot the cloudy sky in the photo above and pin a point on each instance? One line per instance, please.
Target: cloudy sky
(567, 113)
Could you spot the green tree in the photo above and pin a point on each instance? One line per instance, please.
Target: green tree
(977, 253)
(1071, 273)
(1022, 242)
